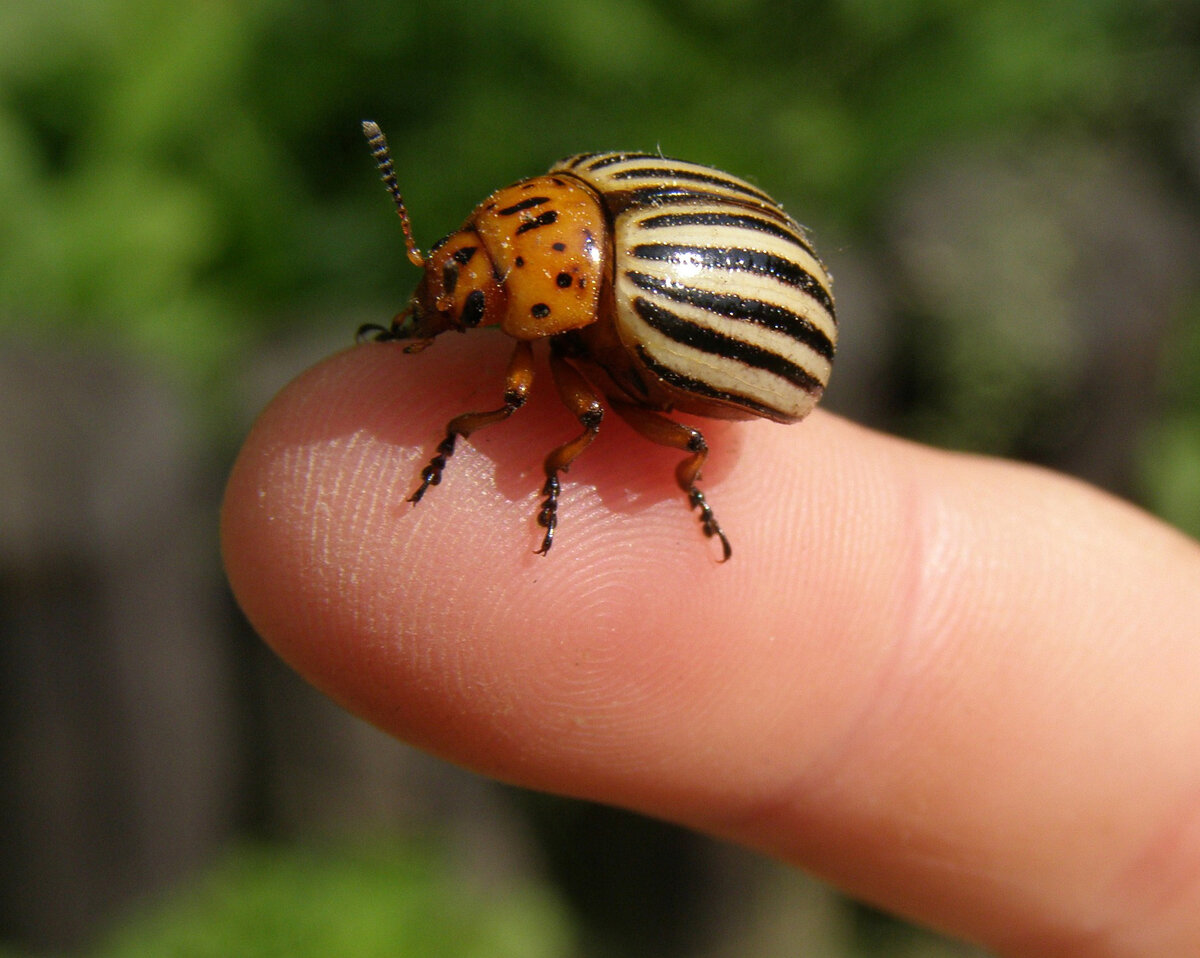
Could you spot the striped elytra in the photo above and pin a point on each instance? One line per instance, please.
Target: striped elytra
(661, 285)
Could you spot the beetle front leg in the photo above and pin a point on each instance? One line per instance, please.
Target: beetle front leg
(667, 432)
(578, 396)
(517, 381)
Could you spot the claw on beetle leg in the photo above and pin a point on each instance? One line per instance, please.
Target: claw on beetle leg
(431, 475)
(708, 521)
(548, 516)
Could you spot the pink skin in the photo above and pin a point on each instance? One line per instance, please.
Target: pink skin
(962, 689)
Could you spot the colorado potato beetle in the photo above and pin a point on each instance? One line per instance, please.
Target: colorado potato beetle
(661, 285)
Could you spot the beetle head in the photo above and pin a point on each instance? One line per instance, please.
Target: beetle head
(458, 291)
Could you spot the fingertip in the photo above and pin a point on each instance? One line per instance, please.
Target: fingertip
(895, 621)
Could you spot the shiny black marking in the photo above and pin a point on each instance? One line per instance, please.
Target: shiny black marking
(691, 176)
(519, 261)
(539, 310)
(698, 387)
(744, 221)
(449, 276)
(559, 247)
(463, 254)
(563, 280)
(732, 258)
(440, 243)
(718, 344)
(542, 219)
(473, 308)
(756, 311)
(525, 204)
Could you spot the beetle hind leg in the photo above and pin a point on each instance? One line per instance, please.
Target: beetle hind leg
(667, 432)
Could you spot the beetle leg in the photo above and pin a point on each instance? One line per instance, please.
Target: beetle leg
(578, 396)
(667, 432)
(516, 390)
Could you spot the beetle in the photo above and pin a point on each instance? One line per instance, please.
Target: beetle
(661, 285)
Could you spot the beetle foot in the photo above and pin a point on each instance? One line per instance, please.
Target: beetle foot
(708, 521)
(431, 475)
(374, 332)
(548, 516)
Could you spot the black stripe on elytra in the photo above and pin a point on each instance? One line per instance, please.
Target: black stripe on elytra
(691, 176)
(653, 197)
(578, 158)
(755, 311)
(718, 344)
(698, 387)
(609, 159)
(525, 204)
(473, 309)
(542, 219)
(733, 258)
(737, 220)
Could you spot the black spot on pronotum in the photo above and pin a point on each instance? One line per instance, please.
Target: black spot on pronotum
(463, 254)
(542, 219)
(519, 261)
(563, 280)
(527, 203)
(539, 310)
(559, 247)
(449, 276)
(473, 308)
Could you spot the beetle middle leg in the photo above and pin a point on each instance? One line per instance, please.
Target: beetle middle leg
(667, 432)
(578, 396)
(517, 381)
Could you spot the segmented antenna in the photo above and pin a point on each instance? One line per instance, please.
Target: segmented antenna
(383, 158)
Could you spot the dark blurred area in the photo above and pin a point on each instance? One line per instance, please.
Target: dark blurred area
(1006, 194)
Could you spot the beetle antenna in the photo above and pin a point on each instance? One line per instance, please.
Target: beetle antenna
(383, 158)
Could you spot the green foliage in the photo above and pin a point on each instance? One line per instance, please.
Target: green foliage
(184, 179)
(384, 900)
(1170, 459)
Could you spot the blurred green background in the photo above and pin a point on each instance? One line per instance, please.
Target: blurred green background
(1006, 193)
